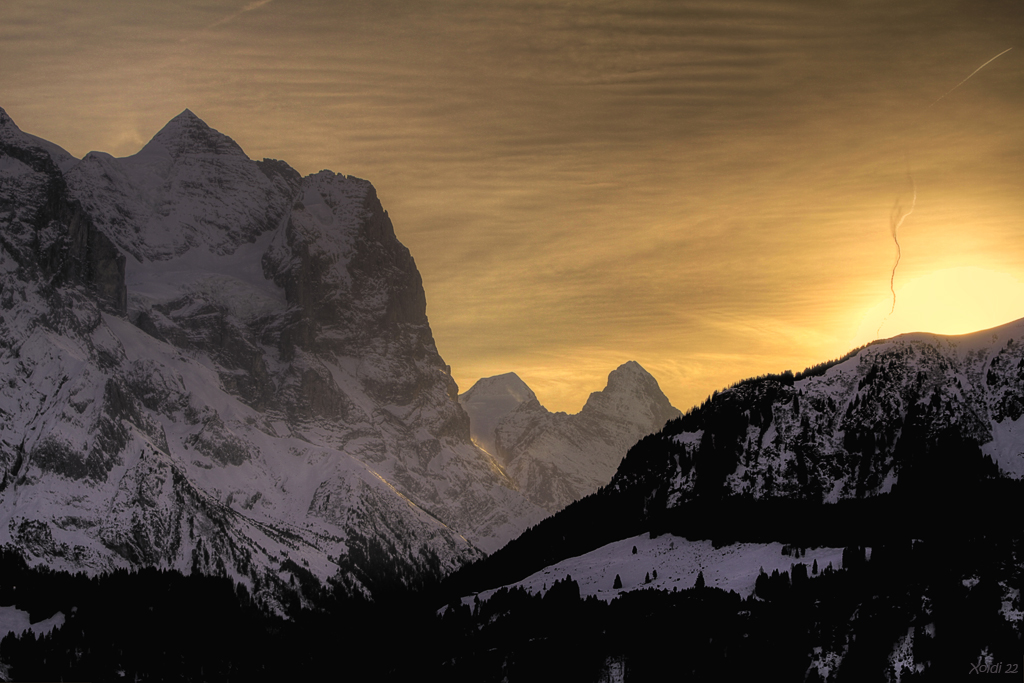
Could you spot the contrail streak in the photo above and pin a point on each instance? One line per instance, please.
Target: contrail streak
(896, 218)
(972, 73)
(255, 4)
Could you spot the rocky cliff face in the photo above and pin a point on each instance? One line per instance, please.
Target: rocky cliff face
(556, 458)
(46, 234)
(902, 411)
(217, 365)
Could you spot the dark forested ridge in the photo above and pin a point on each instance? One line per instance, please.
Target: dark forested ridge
(941, 569)
(942, 598)
(153, 625)
(946, 485)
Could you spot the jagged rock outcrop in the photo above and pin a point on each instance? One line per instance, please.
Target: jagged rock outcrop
(214, 364)
(556, 458)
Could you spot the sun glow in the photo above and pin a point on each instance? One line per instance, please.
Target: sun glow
(949, 301)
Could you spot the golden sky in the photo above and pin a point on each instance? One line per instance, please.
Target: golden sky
(704, 187)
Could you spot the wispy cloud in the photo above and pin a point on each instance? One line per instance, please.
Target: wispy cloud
(256, 4)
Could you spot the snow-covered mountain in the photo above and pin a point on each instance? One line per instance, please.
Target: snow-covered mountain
(906, 409)
(556, 458)
(489, 401)
(213, 364)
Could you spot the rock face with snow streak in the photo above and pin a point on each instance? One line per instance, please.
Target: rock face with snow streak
(214, 364)
(556, 458)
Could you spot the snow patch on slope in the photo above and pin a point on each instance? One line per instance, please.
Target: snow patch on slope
(677, 562)
(14, 620)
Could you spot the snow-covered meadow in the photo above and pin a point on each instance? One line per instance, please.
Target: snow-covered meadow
(676, 561)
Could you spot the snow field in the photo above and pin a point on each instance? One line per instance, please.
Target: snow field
(677, 562)
(16, 620)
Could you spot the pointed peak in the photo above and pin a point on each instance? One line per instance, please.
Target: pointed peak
(188, 134)
(628, 372)
(509, 377)
(9, 131)
(6, 120)
(631, 366)
(188, 118)
(630, 378)
(633, 391)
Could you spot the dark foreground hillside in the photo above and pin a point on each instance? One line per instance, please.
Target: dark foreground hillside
(937, 590)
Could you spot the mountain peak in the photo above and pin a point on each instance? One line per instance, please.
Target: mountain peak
(629, 369)
(9, 131)
(31, 146)
(628, 376)
(187, 134)
(508, 384)
(490, 400)
(631, 390)
(6, 120)
(556, 458)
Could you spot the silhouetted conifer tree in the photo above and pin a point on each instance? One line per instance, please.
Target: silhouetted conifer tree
(799, 573)
(761, 584)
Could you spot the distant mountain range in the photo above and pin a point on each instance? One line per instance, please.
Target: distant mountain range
(555, 458)
(915, 414)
